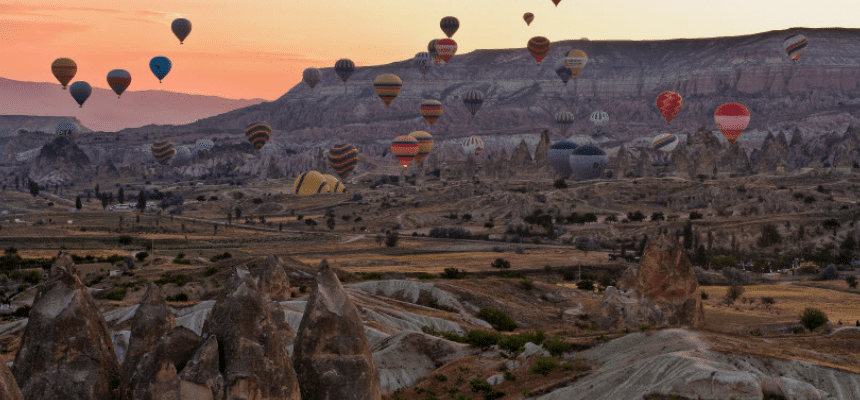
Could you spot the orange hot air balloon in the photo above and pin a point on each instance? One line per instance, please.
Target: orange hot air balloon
(539, 47)
(732, 118)
(528, 17)
(425, 144)
(669, 103)
(64, 70)
(431, 110)
(405, 148)
(387, 86)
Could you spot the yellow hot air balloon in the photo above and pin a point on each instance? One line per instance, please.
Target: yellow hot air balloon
(308, 183)
(333, 185)
(64, 69)
(387, 86)
(575, 60)
(425, 144)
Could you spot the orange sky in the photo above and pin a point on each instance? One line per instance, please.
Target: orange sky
(258, 48)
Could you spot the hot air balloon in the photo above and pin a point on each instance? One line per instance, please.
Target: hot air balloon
(794, 46)
(163, 152)
(423, 61)
(669, 103)
(308, 183)
(311, 76)
(431, 48)
(183, 152)
(528, 17)
(387, 86)
(558, 154)
(80, 91)
(431, 110)
(473, 101)
(343, 159)
(344, 69)
(587, 162)
(473, 145)
(258, 133)
(66, 129)
(599, 119)
(425, 144)
(539, 47)
(446, 49)
(449, 25)
(732, 118)
(563, 73)
(160, 66)
(405, 148)
(575, 60)
(665, 141)
(204, 144)
(556, 2)
(181, 28)
(564, 120)
(118, 80)
(332, 184)
(64, 69)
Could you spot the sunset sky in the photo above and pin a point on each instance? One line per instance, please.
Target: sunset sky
(258, 48)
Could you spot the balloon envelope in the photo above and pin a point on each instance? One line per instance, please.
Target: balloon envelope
(557, 155)
(425, 144)
(564, 120)
(556, 2)
(669, 103)
(308, 183)
(587, 162)
(473, 101)
(423, 61)
(204, 144)
(344, 68)
(528, 17)
(449, 25)
(387, 86)
(431, 110)
(599, 119)
(332, 185)
(118, 80)
(575, 60)
(163, 151)
(258, 133)
(539, 47)
(794, 46)
(404, 148)
(66, 129)
(446, 49)
(183, 152)
(473, 145)
(181, 28)
(564, 73)
(160, 66)
(431, 48)
(343, 158)
(732, 118)
(665, 141)
(80, 91)
(64, 69)
(311, 76)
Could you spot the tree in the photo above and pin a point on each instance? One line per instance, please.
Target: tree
(97, 189)
(688, 235)
(501, 263)
(812, 318)
(642, 245)
(769, 235)
(238, 213)
(78, 204)
(851, 281)
(34, 188)
(330, 223)
(141, 201)
(391, 238)
(658, 216)
(104, 199)
(121, 196)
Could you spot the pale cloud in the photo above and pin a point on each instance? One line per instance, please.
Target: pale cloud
(29, 9)
(33, 32)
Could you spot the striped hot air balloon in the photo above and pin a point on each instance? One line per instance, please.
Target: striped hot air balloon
(344, 69)
(181, 27)
(431, 110)
(732, 118)
(665, 141)
(473, 101)
(528, 17)
(333, 185)
(118, 80)
(599, 119)
(308, 183)
(446, 49)
(575, 60)
(794, 46)
(449, 25)
(431, 48)
(473, 145)
(66, 129)
(311, 76)
(587, 162)
(163, 151)
(669, 103)
(425, 144)
(64, 69)
(564, 120)
(387, 86)
(343, 159)
(405, 148)
(557, 156)
(539, 47)
(258, 133)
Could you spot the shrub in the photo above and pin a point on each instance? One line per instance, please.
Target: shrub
(453, 233)
(830, 273)
(557, 347)
(544, 365)
(391, 238)
(695, 215)
(768, 301)
(257, 201)
(736, 276)
(479, 385)
(527, 284)
(374, 276)
(658, 216)
(211, 270)
(124, 240)
(733, 293)
(636, 216)
(115, 295)
(425, 276)
(181, 296)
(482, 339)
(852, 282)
(141, 256)
(201, 198)
(769, 235)
(560, 184)
(219, 257)
(501, 263)
(497, 319)
(453, 273)
(611, 218)
(812, 318)
(567, 275)
(586, 285)
(704, 296)
(22, 312)
(509, 376)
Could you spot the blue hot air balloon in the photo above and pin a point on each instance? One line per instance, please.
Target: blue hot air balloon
(587, 162)
(160, 66)
(81, 91)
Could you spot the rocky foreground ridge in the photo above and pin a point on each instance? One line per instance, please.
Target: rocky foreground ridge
(362, 340)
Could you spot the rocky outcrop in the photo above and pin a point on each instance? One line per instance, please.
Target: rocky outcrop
(155, 376)
(253, 336)
(66, 351)
(201, 379)
(661, 292)
(8, 387)
(331, 353)
(408, 357)
(273, 281)
(152, 320)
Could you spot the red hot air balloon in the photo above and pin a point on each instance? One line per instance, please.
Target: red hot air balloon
(528, 17)
(669, 103)
(118, 80)
(556, 2)
(405, 148)
(732, 118)
(539, 47)
(431, 110)
(446, 49)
